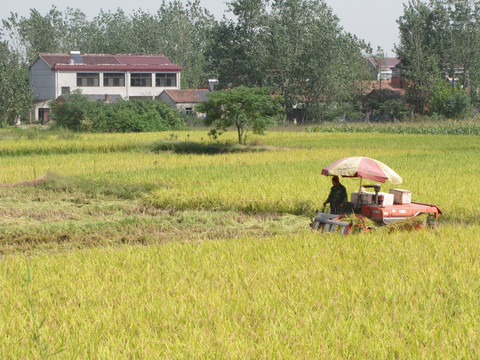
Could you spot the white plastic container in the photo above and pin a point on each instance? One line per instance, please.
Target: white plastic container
(401, 196)
(368, 198)
(387, 198)
(361, 198)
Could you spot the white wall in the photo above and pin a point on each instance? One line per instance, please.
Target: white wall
(47, 85)
(67, 78)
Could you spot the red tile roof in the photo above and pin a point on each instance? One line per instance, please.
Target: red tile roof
(107, 62)
(188, 95)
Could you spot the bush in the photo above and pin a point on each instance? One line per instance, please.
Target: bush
(448, 101)
(386, 105)
(320, 112)
(76, 112)
(71, 109)
(394, 108)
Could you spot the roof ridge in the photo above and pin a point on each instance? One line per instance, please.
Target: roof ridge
(99, 54)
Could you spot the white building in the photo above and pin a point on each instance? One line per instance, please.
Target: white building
(101, 76)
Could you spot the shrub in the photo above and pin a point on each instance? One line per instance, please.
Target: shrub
(386, 105)
(71, 109)
(448, 101)
(76, 112)
(394, 108)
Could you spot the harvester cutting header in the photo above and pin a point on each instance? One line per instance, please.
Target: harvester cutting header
(379, 207)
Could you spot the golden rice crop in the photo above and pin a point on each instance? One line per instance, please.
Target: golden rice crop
(437, 169)
(299, 295)
(295, 296)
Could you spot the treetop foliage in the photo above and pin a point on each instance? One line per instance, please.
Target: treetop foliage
(242, 108)
(296, 48)
(439, 39)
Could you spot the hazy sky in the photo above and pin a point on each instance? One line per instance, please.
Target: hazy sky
(371, 20)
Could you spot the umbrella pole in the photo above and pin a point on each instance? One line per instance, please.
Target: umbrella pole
(360, 184)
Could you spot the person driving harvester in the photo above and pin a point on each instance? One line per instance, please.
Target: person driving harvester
(337, 198)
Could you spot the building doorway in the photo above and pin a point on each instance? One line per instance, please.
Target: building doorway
(43, 115)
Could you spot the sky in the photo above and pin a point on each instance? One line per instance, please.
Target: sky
(371, 20)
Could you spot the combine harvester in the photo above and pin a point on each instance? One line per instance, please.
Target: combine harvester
(368, 210)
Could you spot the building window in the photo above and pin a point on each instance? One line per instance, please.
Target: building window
(188, 110)
(141, 79)
(65, 90)
(165, 79)
(114, 79)
(88, 79)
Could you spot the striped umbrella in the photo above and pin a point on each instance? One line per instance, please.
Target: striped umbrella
(362, 167)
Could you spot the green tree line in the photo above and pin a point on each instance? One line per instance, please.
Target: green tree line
(296, 48)
(440, 41)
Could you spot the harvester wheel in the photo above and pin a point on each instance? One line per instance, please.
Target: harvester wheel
(361, 226)
(357, 226)
(432, 221)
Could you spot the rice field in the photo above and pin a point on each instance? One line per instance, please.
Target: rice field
(127, 253)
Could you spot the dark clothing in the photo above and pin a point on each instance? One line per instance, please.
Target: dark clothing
(337, 197)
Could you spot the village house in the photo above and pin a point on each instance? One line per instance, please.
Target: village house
(184, 100)
(100, 76)
(385, 69)
(388, 77)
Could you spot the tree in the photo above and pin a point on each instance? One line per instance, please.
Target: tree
(463, 41)
(112, 33)
(312, 61)
(242, 108)
(236, 50)
(16, 98)
(75, 31)
(183, 30)
(295, 47)
(438, 40)
(448, 101)
(38, 34)
(420, 62)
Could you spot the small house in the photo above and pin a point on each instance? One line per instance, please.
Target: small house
(184, 100)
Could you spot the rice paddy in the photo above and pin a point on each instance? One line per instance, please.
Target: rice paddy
(123, 252)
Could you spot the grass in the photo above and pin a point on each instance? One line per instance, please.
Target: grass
(432, 127)
(137, 254)
(209, 148)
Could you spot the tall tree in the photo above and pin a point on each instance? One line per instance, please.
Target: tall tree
(463, 40)
(439, 39)
(296, 47)
(236, 49)
(75, 31)
(37, 33)
(112, 33)
(311, 60)
(15, 96)
(183, 30)
(421, 64)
